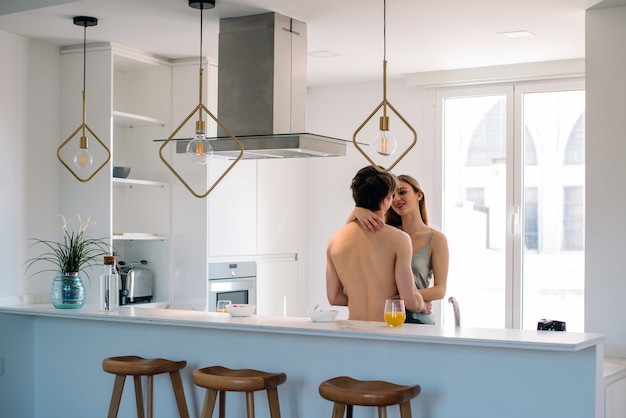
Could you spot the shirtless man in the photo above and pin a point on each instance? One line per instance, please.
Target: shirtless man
(363, 269)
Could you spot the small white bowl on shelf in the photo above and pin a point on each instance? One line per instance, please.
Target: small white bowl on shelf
(322, 315)
(240, 309)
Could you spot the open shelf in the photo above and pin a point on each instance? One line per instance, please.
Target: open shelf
(137, 182)
(138, 236)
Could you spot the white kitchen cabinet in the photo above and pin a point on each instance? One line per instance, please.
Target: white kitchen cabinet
(277, 285)
(282, 210)
(233, 209)
(615, 401)
(282, 205)
(615, 388)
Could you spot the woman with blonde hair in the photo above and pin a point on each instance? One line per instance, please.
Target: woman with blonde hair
(430, 246)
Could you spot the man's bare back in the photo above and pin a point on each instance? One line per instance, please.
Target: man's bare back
(364, 269)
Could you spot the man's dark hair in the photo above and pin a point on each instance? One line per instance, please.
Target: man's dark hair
(370, 187)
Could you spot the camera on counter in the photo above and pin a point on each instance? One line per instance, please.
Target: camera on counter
(550, 325)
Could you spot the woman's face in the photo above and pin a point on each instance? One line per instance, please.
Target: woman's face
(405, 200)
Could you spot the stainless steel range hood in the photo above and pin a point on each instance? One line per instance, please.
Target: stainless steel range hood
(262, 90)
(256, 147)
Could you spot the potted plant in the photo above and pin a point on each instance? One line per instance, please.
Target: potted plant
(70, 256)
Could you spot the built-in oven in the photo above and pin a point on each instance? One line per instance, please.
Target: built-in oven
(233, 281)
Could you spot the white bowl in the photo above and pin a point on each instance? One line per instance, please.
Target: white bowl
(239, 309)
(322, 315)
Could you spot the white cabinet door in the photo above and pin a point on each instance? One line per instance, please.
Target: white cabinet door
(232, 209)
(277, 287)
(615, 401)
(282, 205)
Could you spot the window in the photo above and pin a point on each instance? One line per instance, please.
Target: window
(517, 153)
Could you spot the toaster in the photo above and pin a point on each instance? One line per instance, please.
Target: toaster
(136, 286)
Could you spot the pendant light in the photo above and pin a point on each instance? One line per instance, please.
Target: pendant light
(83, 160)
(199, 150)
(385, 143)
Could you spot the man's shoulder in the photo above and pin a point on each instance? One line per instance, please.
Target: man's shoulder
(394, 236)
(346, 231)
(392, 230)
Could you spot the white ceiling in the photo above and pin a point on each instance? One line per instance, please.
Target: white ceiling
(422, 35)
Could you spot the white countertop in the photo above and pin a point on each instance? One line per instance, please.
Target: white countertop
(481, 337)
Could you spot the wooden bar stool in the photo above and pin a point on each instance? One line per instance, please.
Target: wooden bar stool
(137, 367)
(346, 392)
(218, 379)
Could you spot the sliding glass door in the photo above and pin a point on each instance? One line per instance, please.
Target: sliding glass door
(513, 202)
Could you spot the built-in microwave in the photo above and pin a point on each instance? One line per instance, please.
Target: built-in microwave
(233, 281)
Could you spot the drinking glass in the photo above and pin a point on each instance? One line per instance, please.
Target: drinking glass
(222, 306)
(394, 312)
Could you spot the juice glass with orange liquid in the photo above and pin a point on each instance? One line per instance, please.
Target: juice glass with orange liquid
(394, 312)
(222, 306)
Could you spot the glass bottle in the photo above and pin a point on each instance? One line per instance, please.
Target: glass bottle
(109, 285)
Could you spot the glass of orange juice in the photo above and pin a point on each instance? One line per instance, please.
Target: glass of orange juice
(222, 306)
(394, 312)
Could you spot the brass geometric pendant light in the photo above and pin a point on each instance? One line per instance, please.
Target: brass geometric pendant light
(385, 144)
(83, 160)
(199, 149)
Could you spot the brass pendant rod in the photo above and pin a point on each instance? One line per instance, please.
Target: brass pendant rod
(384, 88)
(200, 94)
(84, 112)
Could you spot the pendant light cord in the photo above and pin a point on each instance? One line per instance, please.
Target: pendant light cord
(84, 55)
(200, 55)
(385, 30)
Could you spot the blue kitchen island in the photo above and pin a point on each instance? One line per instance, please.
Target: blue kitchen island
(52, 363)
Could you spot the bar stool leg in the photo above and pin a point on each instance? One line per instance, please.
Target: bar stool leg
(350, 410)
(209, 403)
(250, 404)
(272, 400)
(138, 396)
(338, 410)
(222, 404)
(150, 395)
(179, 393)
(382, 412)
(405, 410)
(116, 397)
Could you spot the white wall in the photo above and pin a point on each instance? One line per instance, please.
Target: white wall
(29, 170)
(605, 275)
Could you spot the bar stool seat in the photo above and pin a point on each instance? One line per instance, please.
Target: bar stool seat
(346, 392)
(219, 379)
(137, 367)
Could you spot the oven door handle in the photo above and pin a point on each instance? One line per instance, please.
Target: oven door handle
(231, 285)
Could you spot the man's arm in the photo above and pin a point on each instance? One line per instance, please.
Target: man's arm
(407, 290)
(334, 288)
(367, 219)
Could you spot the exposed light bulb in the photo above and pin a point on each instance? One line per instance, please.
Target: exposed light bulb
(199, 149)
(385, 143)
(83, 159)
